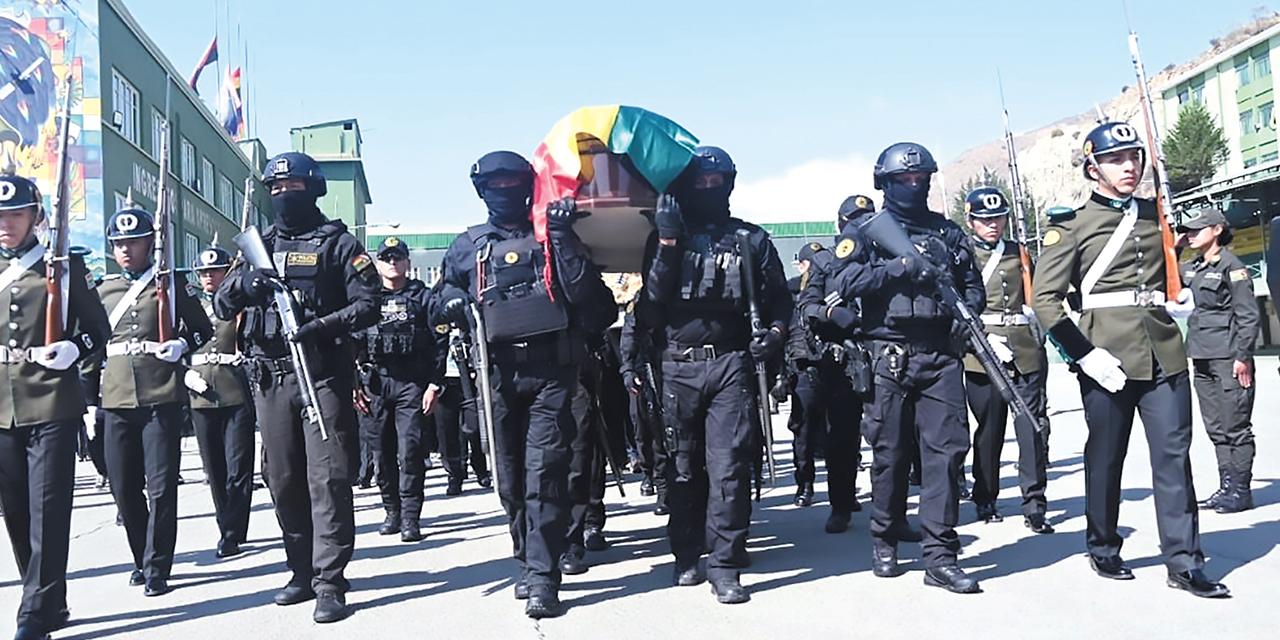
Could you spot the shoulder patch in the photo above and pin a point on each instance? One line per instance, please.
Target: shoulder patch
(361, 262)
(845, 248)
(442, 329)
(1239, 275)
(1052, 237)
(1060, 213)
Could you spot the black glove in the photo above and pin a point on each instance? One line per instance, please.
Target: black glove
(843, 317)
(259, 283)
(454, 310)
(561, 214)
(312, 329)
(766, 345)
(917, 268)
(781, 389)
(667, 218)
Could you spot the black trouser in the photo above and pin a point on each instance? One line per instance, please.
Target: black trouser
(1227, 409)
(37, 476)
(395, 424)
(143, 449)
(309, 477)
(927, 399)
(843, 442)
(653, 452)
(458, 433)
(226, 442)
(534, 430)
(710, 403)
(586, 469)
(1164, 405)
(808, 420)
(992, 413)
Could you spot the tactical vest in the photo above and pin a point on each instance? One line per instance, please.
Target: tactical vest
(513, 295)
(711, 272)
(910, 305)
(318, 288)
(396, 334)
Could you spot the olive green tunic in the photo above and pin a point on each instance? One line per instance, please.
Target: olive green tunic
(1005, 297)
(227, 382)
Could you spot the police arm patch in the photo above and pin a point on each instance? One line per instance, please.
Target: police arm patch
(1052, 237)
(361, 262)
(845, 248)
(1239, 275)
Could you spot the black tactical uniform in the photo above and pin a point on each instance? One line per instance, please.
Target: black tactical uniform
(222, 415)
(402, 358)
(639, 366)
(144, 398)
(535, 315)
(40, 412)
(335, 284)
(918, 382)
(694, 308)
(1021, 347)
(1220, 339)
(1129, 356)
(808, 420)
(457, 423)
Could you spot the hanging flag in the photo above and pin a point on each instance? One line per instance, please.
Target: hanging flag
(230, 109)
(210, 57)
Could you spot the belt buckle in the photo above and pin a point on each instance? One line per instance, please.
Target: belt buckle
(134, 348)
(709, 351)
(1144, 298)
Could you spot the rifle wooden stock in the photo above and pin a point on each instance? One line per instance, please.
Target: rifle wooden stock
(1172, 277)
(164, 261)
(56, 258)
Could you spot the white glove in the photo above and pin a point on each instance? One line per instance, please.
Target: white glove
(195, 382)
(1000, 345)
(1183, 306)
(1104, 368)
(91, 422)
(1029, 312)
(58, 356)
(172, 350)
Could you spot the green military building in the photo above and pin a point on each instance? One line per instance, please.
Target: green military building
(336, 146)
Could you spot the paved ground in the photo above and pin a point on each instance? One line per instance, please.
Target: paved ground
(457, 582)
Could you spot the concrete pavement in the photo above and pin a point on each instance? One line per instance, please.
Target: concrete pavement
(457, 582)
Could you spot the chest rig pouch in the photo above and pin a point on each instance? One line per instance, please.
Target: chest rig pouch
(711, 272)
(395, 333)
(910, 303)
(513, 295)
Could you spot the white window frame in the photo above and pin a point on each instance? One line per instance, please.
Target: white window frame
(124, 101)
(206, 180)
(225, 193)
(188, 163)
(158, 123)
(191, 247)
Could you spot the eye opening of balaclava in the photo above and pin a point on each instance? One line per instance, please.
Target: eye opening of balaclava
(510, 203)
(296, 211)
(906, 197)
(701, 203)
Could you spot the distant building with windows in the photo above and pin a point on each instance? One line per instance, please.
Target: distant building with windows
(125, 91)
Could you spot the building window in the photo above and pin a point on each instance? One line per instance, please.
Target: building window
(1242, 72)
(121, 200)
(1197, 93)
(1184, 96)
(238, 205)
(1262, 65)
(158, 124)
(188, 164)
(206, 179)
(190, 248)
(1246, 122)
(124, 103)
(224, 196)
(1249, 162)
(1269, 157)
(1264, 115)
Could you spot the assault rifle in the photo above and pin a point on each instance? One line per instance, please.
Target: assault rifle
(885, 232)
(164, 244)
(1018, 212)
(487, 427)
(255, 254)
(56, 283)
(743, 238)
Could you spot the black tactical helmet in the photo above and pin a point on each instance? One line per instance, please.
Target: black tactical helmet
(292, 164)
(986, 202)
(1110, 137)
(903, 157)
(130, 223)
(17, 192)
(499, 163)
(212, 258)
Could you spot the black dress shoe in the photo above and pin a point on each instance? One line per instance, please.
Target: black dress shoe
(543, 602)
(136, 579)
(988, 513)
(1111, 567)
(687, 576)
(294, 593)
(60, 619)
(646, 487)
(884, 559)
(838, 522)
(804, 495)
(228, 548)
(1195, 582)
(410, 531)
(951, 578)
(30, 632)
(331, 606)
(571, 564)
(521, 590)
(390, 525)
(593, 539)
(661, 509)
(729, 591)
(454, 488)
(156, 587)
(1036, 523)
(485, 481)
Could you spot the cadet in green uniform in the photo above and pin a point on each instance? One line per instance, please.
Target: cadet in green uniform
(40, 407)
(221, 412)
(1128, 354)
(1010, 331)
(1220, 338)
(143, 397)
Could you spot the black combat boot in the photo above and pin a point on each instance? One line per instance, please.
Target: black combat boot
(884, 559)
(409, 529)
(804, 494)
(1216, 497)
(1239, 497)
(391, 525)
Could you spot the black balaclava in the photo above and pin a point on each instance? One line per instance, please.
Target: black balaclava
(702, 207)
(906, 199)
(296, 212)
(508, 206)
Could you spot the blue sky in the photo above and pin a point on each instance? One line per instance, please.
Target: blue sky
(802, 94)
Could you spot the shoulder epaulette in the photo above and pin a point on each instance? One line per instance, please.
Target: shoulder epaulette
(1062, 214)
